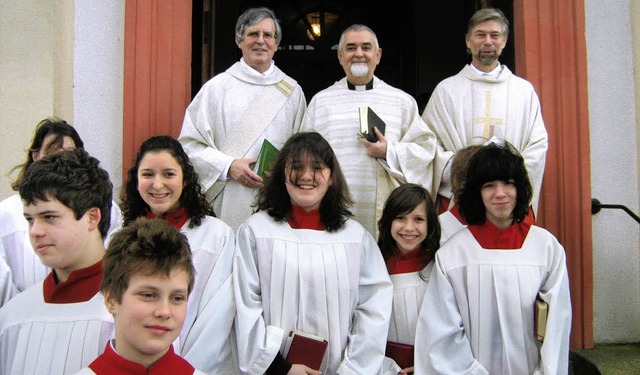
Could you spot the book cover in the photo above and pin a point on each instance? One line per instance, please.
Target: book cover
(266, 159)
(401, 353)
(540, 314)
(368, 120)
(306, 349)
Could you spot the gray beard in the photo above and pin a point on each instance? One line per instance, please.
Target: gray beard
(488, 60)
(359, 70)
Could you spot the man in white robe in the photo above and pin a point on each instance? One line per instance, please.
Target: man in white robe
(373, 169)
(226, 123)
(486, 100)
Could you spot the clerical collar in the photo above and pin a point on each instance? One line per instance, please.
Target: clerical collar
(253, 71)
(492, 74)
(368, 86)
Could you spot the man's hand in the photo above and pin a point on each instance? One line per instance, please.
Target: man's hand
(376, 149)
(302, 370)
(240, 171)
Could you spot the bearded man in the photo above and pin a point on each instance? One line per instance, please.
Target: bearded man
(406, 150)
(485, 100)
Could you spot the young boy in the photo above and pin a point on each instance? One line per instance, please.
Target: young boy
(61, 324)
(148, 275)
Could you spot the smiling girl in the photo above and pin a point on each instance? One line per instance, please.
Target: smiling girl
(409, 238)
(163, 184)
(303, 265)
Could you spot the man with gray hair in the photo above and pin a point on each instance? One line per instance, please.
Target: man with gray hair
(486, 100)
(403, 153)
(234, 112)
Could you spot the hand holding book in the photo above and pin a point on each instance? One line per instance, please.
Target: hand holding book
(368, 120)
(306, 349)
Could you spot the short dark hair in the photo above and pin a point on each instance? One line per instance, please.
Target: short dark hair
(274, 198)
(75, 179)
(402, 200)
(488, 14)
(146, 246)
(49, 126)
(254, 15)
(192, 198)
(494, 163)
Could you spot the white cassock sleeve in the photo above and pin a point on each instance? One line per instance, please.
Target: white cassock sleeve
(7, 288)
(554, 351)
(442, 346)
(209, 344)
(257, 342)
(365, 352)
(198, 136)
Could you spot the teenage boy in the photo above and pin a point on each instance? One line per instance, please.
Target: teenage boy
(60, 325)
(148, 275)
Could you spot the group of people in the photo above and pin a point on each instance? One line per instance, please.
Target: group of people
(424, 240)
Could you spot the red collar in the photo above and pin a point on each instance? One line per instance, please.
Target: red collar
(111, 363)
(81, 285)
(489, 236)
(301, 219)
(456, 213)
(176, 218)
(405, 263)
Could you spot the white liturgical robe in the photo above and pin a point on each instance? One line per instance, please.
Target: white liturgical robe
(483, 321)
(207, 339)
(51, 338)
(469, 109)
(215, 118)
(330, 284)
(411, 148)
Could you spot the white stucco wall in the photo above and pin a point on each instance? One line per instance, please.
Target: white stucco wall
(98, 81)
(614, 169)
(26, 78)
(62, 58)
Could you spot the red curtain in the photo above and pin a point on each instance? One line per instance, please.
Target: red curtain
(157, 70)
(551, 53)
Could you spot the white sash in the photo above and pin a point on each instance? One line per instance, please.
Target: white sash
(252, 124)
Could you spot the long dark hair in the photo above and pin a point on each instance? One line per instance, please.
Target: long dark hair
(51, 125)
(274, 198)
(192, 197)
(402, 200)
(494, 163)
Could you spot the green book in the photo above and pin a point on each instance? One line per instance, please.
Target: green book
(368, 120)
(266, 159)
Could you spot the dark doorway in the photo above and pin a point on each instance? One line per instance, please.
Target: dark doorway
(422, 41)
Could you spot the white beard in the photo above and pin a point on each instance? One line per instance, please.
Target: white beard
(359, 70)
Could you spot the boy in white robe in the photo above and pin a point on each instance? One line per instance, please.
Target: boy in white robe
(302, 264)
(487, 278)
(227, 121)
(148, 275)
(404, 153)
(51, 135)
(60, 325)
(485, 100)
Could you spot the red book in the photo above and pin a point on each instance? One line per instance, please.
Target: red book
(306, 349)
(401, 353)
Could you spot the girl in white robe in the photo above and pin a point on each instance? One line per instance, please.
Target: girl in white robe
(409, 238)
(162, 183)
(487, 279)
(302, 264)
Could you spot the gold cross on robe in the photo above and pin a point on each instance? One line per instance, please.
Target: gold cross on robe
(489, 122)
